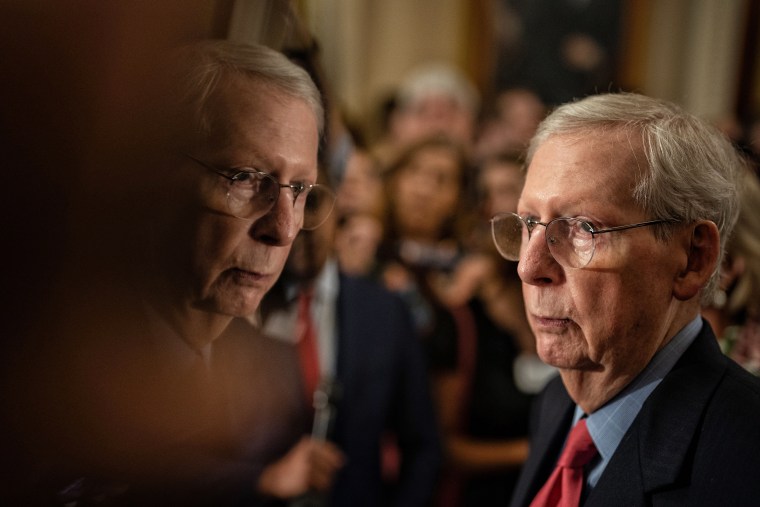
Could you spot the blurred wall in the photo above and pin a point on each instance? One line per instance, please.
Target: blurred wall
(694, 53)
(688, 51)
(368, 45)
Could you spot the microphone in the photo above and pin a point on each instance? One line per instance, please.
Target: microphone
(326, 398)
(325, 402)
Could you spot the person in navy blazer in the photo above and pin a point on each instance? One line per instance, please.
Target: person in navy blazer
(619, 234)
(385, 388)
(376, 360)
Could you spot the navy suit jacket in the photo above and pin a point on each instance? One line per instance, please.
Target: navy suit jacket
(696, 441)
(384, 380)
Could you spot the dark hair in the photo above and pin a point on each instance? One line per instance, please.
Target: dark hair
(458, 219)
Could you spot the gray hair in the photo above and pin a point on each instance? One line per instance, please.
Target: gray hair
(203, 65)
(692, 169)
(438, 78)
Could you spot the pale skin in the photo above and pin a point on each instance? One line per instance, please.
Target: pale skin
(425, 192)
(309, 465)
(219, 266)
(602, 324)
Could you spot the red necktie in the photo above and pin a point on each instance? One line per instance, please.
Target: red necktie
(307, 345)
(563, 489)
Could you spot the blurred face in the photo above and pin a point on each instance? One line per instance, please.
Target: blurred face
(356, 243)
(426, 193)
(613, 315)
(501, 183)
(361, 189)
(434, 115)
(226, 264)
(521, 112)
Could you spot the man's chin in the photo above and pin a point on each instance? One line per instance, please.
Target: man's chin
(565, 359)
(243, 303)
(571, 364)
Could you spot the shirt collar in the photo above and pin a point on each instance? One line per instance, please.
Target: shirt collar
(608, 425)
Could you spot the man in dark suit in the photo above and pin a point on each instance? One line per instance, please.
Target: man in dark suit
(621, 225)
(367, 348)
(130, 390)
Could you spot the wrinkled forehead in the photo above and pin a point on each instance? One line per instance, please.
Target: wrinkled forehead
(580, 172)
(237, 95)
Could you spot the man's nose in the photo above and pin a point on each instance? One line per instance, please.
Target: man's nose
(537, 266)
(280, 225)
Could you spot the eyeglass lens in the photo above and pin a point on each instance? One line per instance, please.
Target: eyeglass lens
(252, 194)
(568, 239)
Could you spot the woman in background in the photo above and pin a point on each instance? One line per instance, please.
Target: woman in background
(734, 313)
(472, 325)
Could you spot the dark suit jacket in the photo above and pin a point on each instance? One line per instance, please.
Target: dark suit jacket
(124, 414)
(384, 380)
(695, 442)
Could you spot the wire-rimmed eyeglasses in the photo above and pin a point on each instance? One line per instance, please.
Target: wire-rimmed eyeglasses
(571, 241)
(251, 193)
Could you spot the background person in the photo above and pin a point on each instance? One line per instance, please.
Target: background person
(434, 99)
(498, 371)
(363, 344)
(509, 122)
(734, 311)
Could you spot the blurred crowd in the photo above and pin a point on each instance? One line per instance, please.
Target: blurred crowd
(412, 214)
(412, 217)
(425, 364)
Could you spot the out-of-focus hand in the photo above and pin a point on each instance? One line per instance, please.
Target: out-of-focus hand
(325, 459)
(457, 288)
(309, 465)
(397, 278)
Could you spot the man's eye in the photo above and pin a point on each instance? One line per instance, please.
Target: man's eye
(242, 177)
(586, 227)
(298, 187)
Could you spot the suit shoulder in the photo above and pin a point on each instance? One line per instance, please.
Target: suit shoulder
(741, 390)
(359, 288)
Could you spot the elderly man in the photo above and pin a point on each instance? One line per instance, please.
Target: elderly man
(626, 209)
(157, 398)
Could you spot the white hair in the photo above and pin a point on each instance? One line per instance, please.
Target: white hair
(692, 169)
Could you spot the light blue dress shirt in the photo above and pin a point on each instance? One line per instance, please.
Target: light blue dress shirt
(608, 425)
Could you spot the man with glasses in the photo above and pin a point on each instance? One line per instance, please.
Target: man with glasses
(626, 208)
(161, 399)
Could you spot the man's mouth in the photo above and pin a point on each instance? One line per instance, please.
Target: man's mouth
(246, 277)
(550, 322)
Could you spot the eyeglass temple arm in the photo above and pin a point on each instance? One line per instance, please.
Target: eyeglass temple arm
(210, 167)
(631, 226)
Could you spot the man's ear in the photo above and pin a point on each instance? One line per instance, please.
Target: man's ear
(702, 259)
